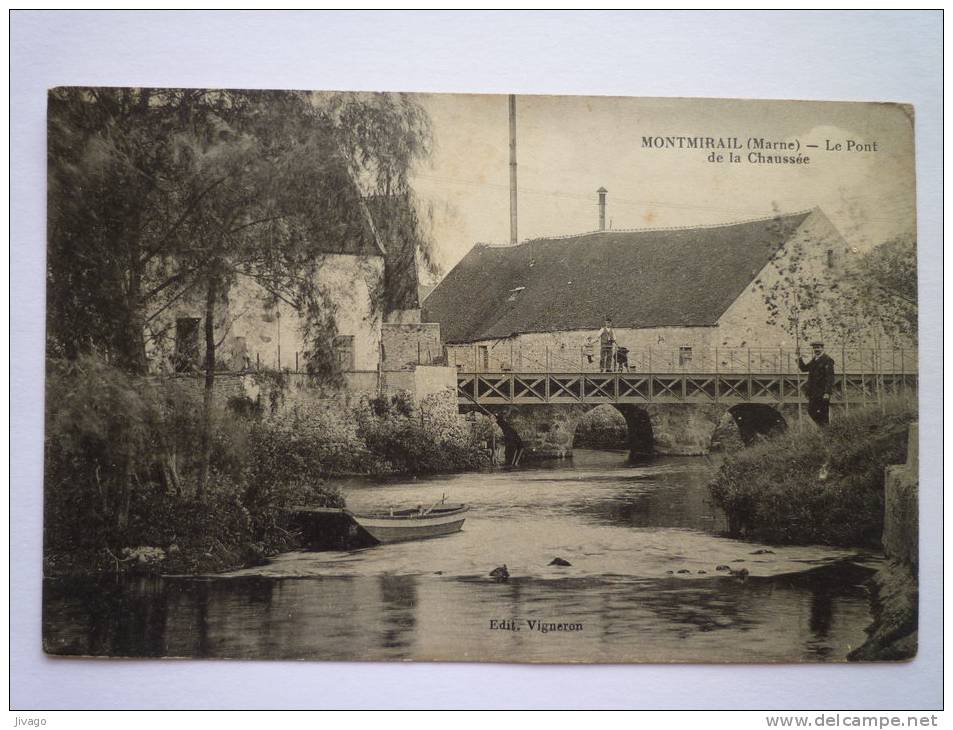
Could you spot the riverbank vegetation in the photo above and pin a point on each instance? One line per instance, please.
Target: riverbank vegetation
(124, 460)
(806, 486)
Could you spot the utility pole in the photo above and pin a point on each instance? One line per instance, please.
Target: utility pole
(513, 236)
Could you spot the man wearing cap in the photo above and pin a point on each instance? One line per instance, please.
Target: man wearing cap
(606, 343)
(820, 383)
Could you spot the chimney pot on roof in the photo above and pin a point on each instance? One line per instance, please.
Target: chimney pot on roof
(602, 208)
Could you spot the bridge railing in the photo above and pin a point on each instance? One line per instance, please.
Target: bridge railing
(754, 360)
(594, 388)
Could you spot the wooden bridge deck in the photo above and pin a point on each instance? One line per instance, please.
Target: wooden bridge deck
(777, 388)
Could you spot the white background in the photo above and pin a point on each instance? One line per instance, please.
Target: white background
(861, 56)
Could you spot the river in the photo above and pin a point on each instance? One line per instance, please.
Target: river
(643, 542)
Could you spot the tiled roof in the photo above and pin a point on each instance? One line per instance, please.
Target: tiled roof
(647, 278)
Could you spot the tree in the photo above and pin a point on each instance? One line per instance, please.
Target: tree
(160, 194)
(800, 290)
(860, 302)
(107, 207)
(883, 287)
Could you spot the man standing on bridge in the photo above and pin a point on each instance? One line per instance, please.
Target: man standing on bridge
(606, 346)
(820, 383)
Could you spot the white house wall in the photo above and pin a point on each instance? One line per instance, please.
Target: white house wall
(251, 331)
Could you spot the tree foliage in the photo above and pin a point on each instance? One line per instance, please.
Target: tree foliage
(855, 301)
(798, 289)
(883, 287)
(158, 194)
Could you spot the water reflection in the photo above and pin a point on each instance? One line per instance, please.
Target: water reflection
(642, 541)
(820, 616)
(398, 601)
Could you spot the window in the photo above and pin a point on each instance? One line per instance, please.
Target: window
(684, 355)
(830, 258)
(344, 351)
(186, 357)
(484, 357)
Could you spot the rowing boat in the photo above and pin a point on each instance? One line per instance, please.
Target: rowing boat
(415, 523)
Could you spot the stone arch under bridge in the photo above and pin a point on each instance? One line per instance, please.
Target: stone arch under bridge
(546, 431)
(684, 410)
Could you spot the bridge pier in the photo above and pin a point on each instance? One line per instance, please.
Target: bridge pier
(543, 431)
(675, 413)
(684, 430)
(546, 431)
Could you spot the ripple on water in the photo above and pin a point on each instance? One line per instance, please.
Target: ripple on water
(626, 531)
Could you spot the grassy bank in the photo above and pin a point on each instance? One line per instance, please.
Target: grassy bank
(812, 487)
(122, 486)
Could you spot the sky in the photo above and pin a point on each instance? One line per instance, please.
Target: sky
(569, 146)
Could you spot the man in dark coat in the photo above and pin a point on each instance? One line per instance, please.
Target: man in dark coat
(820, 383)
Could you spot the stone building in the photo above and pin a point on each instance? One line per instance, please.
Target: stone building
(679, 298)
(381, 344)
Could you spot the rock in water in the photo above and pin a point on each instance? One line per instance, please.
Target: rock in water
(683, 571)
(559, 561)
(763, 552)
(723, 568)
(501, 574)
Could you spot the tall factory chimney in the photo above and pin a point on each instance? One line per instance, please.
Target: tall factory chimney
(602, 208)
(513, 235)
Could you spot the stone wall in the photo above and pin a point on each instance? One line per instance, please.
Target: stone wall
(227, 385)
(546, 431)
(744, 324)
(406, 345)
(431, 379)
(578, 350)
(894, 634)
(299, 388)
(901, 505)
(684, 430)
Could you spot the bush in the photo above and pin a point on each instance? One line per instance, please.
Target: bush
(430, 439)
(808, 486)
(122, 464)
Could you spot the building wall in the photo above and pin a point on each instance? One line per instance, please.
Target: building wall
(744, 323)
(252, 331)
(407, 345)
(568, 351)
(430, 380)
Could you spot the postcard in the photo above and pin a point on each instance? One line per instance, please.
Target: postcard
(498, 378)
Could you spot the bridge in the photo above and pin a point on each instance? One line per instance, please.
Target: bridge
(858, 389)
(677, 410)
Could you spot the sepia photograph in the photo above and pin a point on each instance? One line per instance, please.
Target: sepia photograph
(499, 378)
